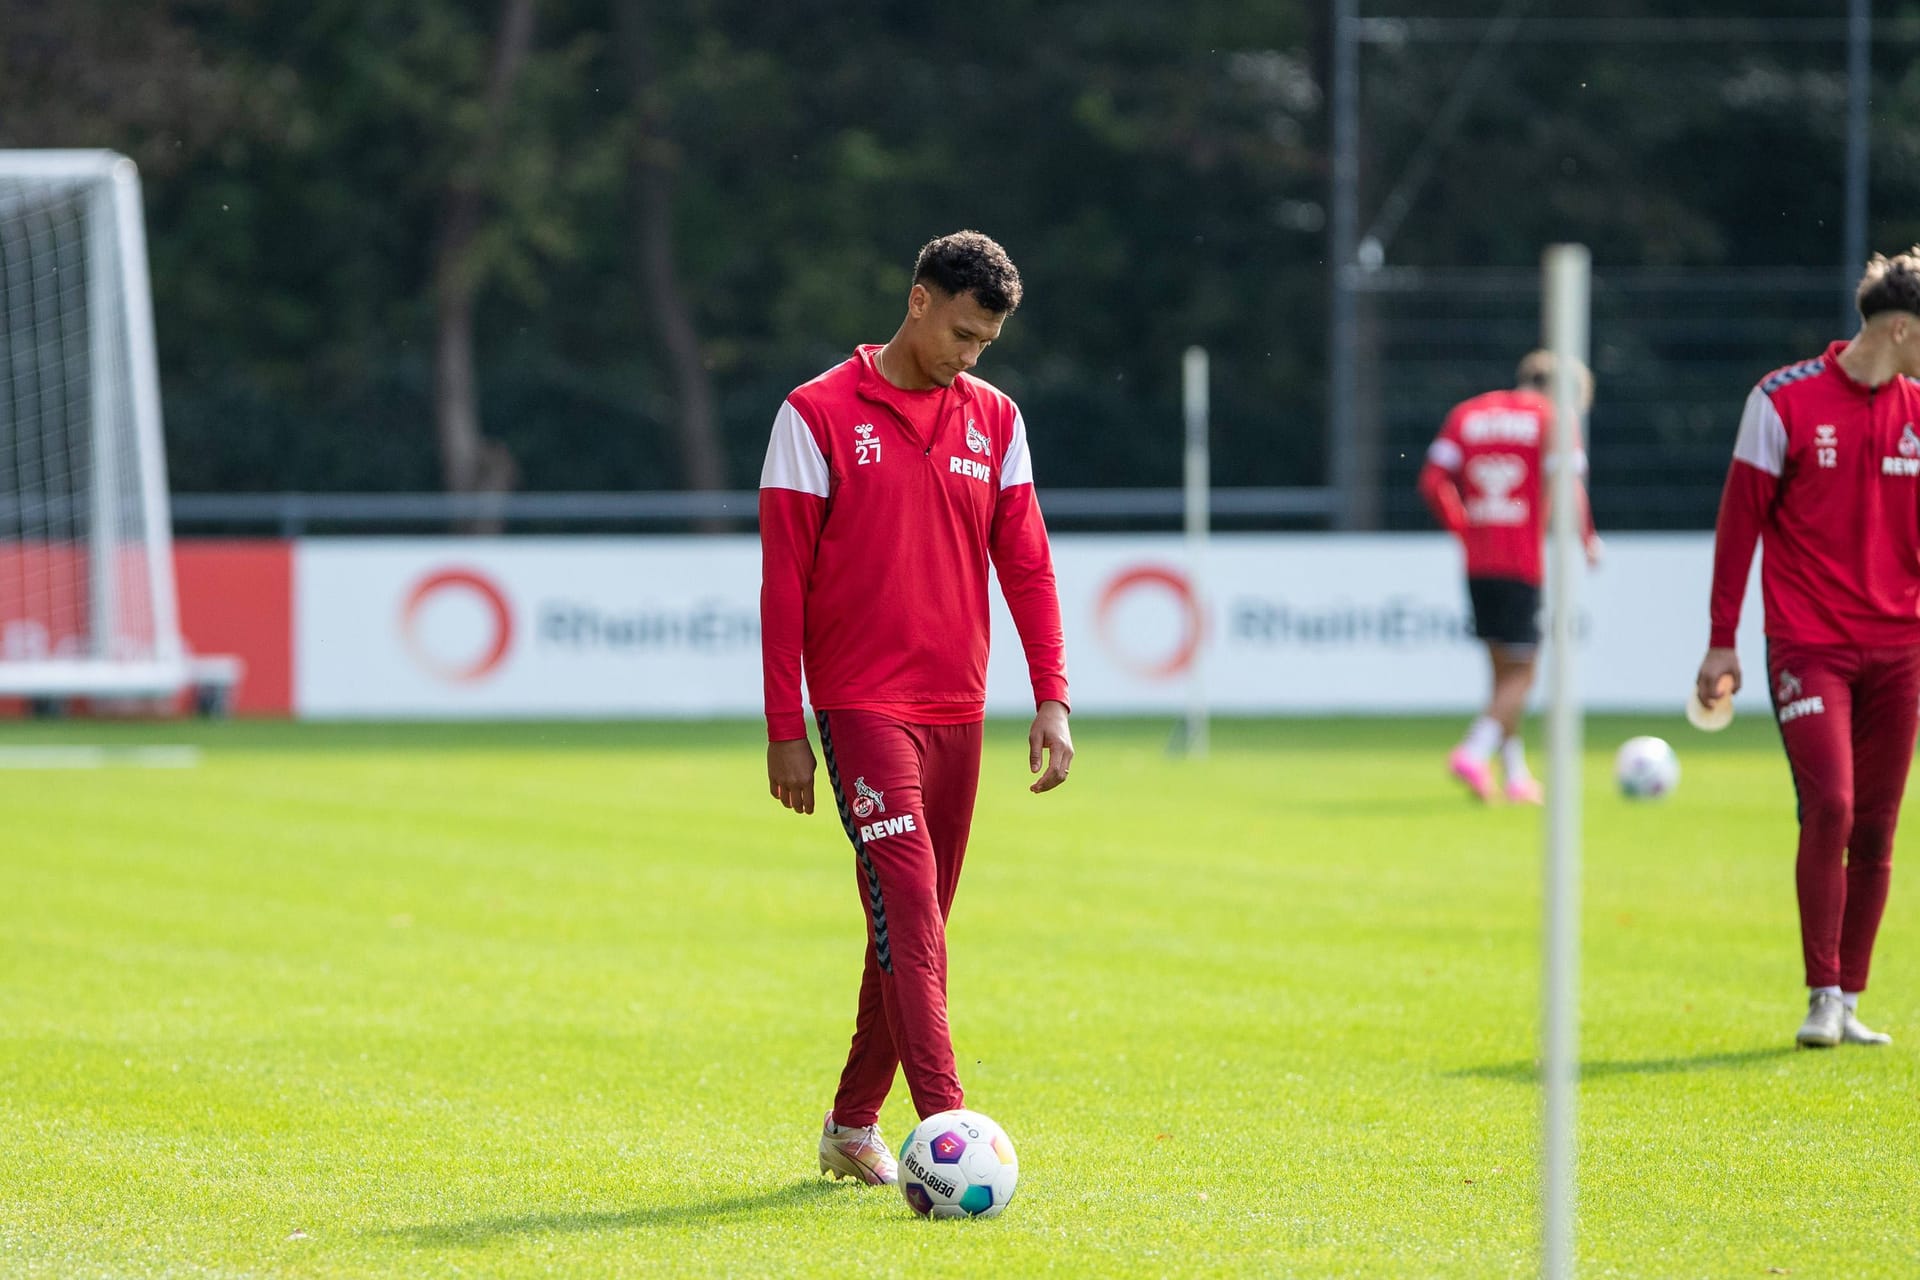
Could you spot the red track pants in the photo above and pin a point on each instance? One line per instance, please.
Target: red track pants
(905, 795)
(1847, 717)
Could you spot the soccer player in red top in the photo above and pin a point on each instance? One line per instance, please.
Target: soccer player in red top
(1485, 482)
(1826, 469)
(892, 482)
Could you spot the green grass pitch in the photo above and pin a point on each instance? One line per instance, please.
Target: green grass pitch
(569, 1001)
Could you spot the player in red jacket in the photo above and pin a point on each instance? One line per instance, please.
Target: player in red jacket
(1485, 482)
(892, 482)
(1826, 470)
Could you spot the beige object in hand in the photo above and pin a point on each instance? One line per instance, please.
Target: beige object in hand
(1716, 717)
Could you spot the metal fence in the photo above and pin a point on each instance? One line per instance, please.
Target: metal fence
(1674, 356)
(297, 514)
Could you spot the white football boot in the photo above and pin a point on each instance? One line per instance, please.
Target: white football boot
(1854, 1031)
(857, 1153)
(1826, 1018)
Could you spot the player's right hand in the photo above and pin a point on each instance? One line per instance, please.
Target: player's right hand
(790, 774)
(1719, 675)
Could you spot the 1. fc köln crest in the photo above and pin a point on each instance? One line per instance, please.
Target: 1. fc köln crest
(866, 799)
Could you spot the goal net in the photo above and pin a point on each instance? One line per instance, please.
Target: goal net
(86, 560)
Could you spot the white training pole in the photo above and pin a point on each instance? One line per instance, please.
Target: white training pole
(1567, 269)
(1199, 467)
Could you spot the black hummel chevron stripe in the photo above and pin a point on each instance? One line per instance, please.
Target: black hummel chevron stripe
(1795, 373)
(882, 951)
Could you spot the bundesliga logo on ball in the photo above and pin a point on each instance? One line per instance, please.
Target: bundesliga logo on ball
(958, 1164)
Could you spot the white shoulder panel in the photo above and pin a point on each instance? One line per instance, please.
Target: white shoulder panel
(1763, 436)
(794, 460)
(1017, 466)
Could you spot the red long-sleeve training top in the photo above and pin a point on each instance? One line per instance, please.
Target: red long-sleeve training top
(1484, 481)
(1827, 471)
(875, 539)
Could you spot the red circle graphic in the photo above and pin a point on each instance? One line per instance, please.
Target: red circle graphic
(1192, 633)
(490, 595)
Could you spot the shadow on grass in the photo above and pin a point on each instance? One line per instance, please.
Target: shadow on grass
(480, 1231)
(1528, 1072)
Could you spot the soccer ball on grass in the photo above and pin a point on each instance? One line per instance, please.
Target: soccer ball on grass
(958, 1164)
(1646, 768)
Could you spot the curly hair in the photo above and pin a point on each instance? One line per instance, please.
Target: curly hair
(1890, 284)
(968, 262)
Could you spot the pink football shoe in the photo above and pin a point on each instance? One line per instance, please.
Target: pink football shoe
(1477, 774)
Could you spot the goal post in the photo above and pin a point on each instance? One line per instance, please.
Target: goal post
(87, 598)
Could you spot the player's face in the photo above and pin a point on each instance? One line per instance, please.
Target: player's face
(950, 332)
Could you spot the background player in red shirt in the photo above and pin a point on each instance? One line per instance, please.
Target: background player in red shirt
(1484, 481)
(1826, 469)
(891, 482)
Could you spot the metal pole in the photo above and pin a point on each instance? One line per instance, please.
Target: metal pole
(1343, 225)
(1859, 89)
(1567, 269)
(1199, 480)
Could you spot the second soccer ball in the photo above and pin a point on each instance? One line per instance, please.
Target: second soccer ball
(1646, 768)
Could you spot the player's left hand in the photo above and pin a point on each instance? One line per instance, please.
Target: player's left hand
(1049, 734)
(1596, 551)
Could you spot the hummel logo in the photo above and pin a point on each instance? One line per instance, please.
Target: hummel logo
(864, 430)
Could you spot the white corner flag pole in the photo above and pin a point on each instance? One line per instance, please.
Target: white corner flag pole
(1567, 269)
(1199, 479)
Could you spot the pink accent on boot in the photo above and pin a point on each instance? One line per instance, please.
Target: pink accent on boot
(1525, 791)
(1477, 774)
(860, 1154)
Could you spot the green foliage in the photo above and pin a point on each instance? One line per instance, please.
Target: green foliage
(569, 1000)
(1158, 171)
